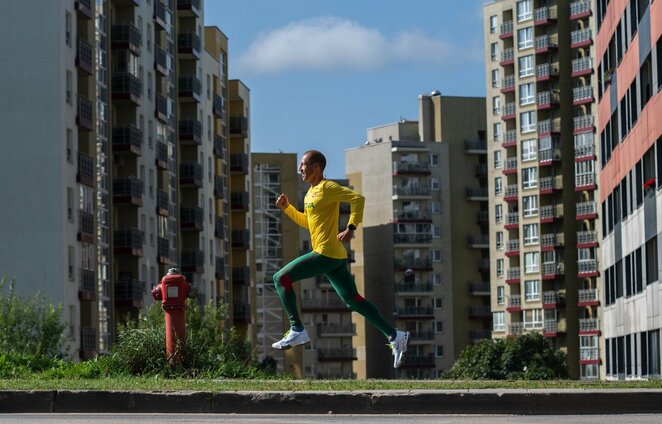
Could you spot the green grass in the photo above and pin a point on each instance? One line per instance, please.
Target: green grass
(158, 384)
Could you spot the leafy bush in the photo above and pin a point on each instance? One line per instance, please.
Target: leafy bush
(31, 326)
(527, 357)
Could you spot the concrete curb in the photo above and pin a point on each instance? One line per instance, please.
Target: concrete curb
(512, 402)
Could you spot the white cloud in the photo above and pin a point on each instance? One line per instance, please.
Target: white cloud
(331, 43)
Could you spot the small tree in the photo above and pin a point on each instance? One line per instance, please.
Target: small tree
(527, 357)
(31, 326)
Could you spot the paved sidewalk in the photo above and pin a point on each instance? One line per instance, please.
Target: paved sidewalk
(504, 401)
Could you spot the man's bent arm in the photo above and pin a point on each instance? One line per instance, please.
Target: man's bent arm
(299, 218)
(356, 203)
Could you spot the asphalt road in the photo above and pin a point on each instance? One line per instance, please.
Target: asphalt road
(324, 419)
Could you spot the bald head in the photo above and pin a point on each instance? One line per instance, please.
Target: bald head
(315, 157)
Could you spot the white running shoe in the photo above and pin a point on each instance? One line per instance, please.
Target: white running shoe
(399, 346)
(292, 338)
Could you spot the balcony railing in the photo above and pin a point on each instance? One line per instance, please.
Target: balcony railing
(346, 353)
(126, 35)
(85, 56)
(551, 183)
(129, 187)
(471, 146)
(587, 237)
(132, 238)
(161, 155)
(587, 267)
(506, 28)
(508, 110)
(582, 122)
(127, 138)
(587, 295)
(191, 217)
(190, 86)
(552, 240)
(86, 169)
(414, 311)
(410, 168)
(413, 215)
(543, 14)
(589, 324)
(477, 193)
(190, 129)
(413, 288)
(192, 260)
(239, 125)
(512, 246)
(85, 223)
(546, 70)
(241, 239)
(551, 297)
(586, 208)
(163, 249)
(189, 43)
(413, 263)
(322, 303)
(240, 200)
(516, 328)
(508, 55)
(579, 8)
(160, 14)
(410, 191)
(510, 137)
(241, 274)
(219, 267)
(241, 311)
(514, 273)
(552, 269)
(548, 126)
(580, 36)
(190, 174)
(219, 227)
(515, 301)
(581, 65)
(548, 212)
(331, 329)
(584, 180)
(547, 98)
(412, 238)
(508, 83)
(129, 291)
(545, 42)
(161, 108)
(239, 162)
(510, 165)
(127, 86)
(219, 186)
(481, 312)
(589, 354)
(85, 116)
(586, 151)
(418, 361)
(512, 218)
(219, 146)
(511, 191)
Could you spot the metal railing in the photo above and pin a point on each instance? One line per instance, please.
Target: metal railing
(127, 187)
(584, 180)
(513, 273)
(581, 64)
(550, 297)
(412, 238)
(579, 7)
(548, 125)
(584, 151)
(413, 263)
(507, 27)
(584, 237)
(516, 328)
(511, 191)
(132, 238)
(586, 208)
(546, 70)
(508, 82)
(410, 191)
(508, 55)
(585, 121)
(512, 218)
(330, 328)
(547, 97)
(552, 269)
(587, 295)
(510, 164)
(413, 287)
(189, 40)
(509, 109)
(587, 266)
(511, 136)
(127, 135)
(512, 246)
(589, 324)
(582, 93)
(190, 83)
(410, 215)
(410, 167)
(545, 42)
(580, 35)
(589, 353)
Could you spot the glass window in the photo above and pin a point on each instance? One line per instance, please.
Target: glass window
(439, 327)
(498, 320)
(530, 177)
(527, 94)
(497, 131)
(533, 318)
(532, 290)
(524, 38)
(529, 149)
(494, 51)
(497, 159)
(495, 78)
(531, 262)
(530, 205)
(526, 66)
(499, 240)
(527, 122)
(496, 105)
(499, 267)
(494, 24)
(498, 213)
(530, 234)
(501, 295)
(498, 186)
(524, 10)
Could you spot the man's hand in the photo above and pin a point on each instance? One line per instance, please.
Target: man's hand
(346, 235)
(282, 202)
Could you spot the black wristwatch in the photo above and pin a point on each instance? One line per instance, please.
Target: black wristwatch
(352, 227)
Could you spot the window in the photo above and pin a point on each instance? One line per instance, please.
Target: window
(526, 66)
(651, 261)
(498, 213)
(149, 85)
(149, 37)
(497, 159)
(529, 177)
(436, 208)
(494, 51)
(434, 160)
(70, 204)
(530, 234)
(524, 38)
(494, 24)
(496, 105)
(524, 10)
(529, 149)
(527, 122)
(499, 267)
(533, 318)
(69, 87)
(527, 94)
(67, 28)
(434, 183)
(439, 327)
(436, 255)
(497, 131)
(498, 320)
(436, 279)
(501, 295)
(438, 303)
(440, 351)
(71, 257)
(531, 262)
(70, 145)
(532, 290)
(530, 205)
(499, 240)
(498, 186)
(495, 78)
(436, 231)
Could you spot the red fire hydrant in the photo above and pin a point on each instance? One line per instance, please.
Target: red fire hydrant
(173, 290)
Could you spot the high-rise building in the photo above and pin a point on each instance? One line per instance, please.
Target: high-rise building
(628, 55)
(542, 180)
(124, 175)
(422, 251)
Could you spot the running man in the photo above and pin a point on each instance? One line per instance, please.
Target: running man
(328, 257)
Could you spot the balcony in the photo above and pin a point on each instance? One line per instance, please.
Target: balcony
(85, 114)
(587, 268)
(483, 265)
(580, 9)
(219, 147)
(189, 8)
(544, 15)
(582, 95)
(552, 271)
(475, 147)
(88, 343)
(587, 239)
(161, 159)
(410, 288)
(549, 242)
(161, 109)
(479, 289)
(582, 66)
(127, 138)
(509, 111)
(86, 170)
(218, 107)
(581, 38)
(418, 361)
(508, 84)
(241, 239)
(552, 328)
(416, 264)
(585, 182)
(239, 126)
(584, 153)
(336, 330)
(516, 328)
(219, 227)
(512, 220)
(219, 267)
(189, 45)
(163, 250)
(160, 15)
(193, 261)
(547, 71)
(323, 304)
(191, 218)
(507, 57)
(336, 355)
(514, 303)
(511, 193)
(127, 87)
(419, 238)
(549, 127)
(219, 186)
(512, 248)
(412, 216)
(547, 100)
(549, 156)
(589, 355)
(513, 276)
(506, 30)
(586, 210)
(482, 218)
(589, 326)
(553, 299)
(480, 312)
(128, 242)
(549, 185)
(190, 175)
(86, 231)
(162, 204)
(241, 312)
(414, 312)
(550, 213)
(87, 289)
(128, 190)
(477, 194)
(190, 132)
(85, 56)
(410, 191)
(241, 275)
(240, 201)
(510, 139)
(588, 297)
(510, 166)
(478, 242)
(190, 89)
(546, 43)
(129, 293)
(126, 36)
(84, 9)
(582, 124)
(406, 168)
(239, 163)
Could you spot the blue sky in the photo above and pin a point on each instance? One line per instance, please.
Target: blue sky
(323, 71)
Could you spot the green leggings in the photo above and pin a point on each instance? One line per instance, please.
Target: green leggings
(312, 264)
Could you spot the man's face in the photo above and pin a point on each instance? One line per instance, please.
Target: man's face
(307, 169)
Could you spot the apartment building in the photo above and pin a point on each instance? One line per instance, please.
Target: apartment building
(131, 180)
(422, 249)
(542, 181)
(629, 72)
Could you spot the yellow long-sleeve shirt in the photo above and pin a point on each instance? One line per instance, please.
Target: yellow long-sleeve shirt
(321, 213)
